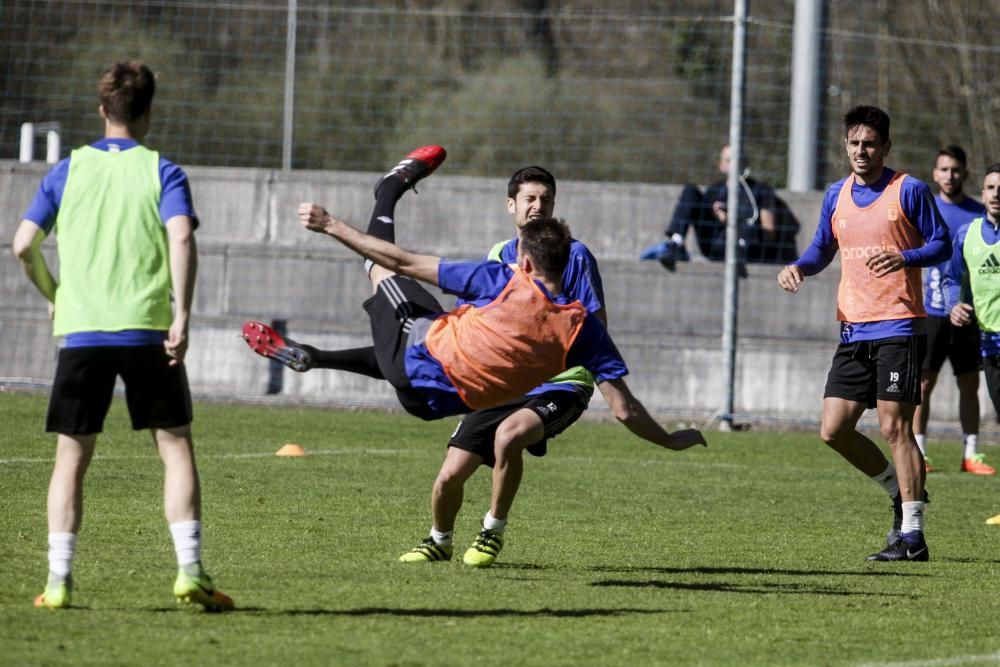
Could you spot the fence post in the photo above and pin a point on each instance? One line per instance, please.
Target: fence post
(731, 293)
(289, 111)
(803, 113)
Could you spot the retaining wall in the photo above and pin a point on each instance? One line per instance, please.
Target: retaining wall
(257, 262)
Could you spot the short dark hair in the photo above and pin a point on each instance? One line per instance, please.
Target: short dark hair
(126, 90)
(868, 116)
(533, 174)
(547, 241)
(992, 169)
(955, 152)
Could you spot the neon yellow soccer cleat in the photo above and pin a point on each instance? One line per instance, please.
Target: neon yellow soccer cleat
(57, 594)
(197, 588)
(427, 552)
(483, 552)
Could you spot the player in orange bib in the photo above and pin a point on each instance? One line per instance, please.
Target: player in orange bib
(885, 227)
(514, 330)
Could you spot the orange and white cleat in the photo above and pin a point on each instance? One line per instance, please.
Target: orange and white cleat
(976, 466)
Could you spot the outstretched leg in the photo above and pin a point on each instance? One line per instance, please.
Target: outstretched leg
(266, 342)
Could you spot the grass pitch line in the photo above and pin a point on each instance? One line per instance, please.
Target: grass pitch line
(988, 659)
(203, 455)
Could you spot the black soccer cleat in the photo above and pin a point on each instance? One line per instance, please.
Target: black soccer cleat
(903, 550)
(419, 164)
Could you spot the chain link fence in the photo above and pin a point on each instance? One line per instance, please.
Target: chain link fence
(625, 91)
(606, 95)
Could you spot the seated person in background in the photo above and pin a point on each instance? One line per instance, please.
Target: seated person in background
(763, 229)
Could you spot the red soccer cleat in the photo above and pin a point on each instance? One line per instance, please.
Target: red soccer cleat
(267, 342)
(418, 164)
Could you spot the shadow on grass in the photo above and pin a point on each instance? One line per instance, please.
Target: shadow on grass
(756, 589)
(966, 559)
(758, 570)
(476, 613)
(206, 612)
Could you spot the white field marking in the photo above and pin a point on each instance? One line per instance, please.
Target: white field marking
(988, 659)
(203, 455)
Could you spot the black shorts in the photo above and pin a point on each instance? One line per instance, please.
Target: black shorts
(960, 345)
(398, 305)
(557, 409)
(991, 366)
(886, 370)
(156, 393)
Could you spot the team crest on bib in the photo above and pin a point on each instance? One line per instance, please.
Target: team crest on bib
(893, 214)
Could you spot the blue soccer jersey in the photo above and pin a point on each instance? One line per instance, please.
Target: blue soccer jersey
(175, 199)
(479, 284)
(918, 207)
(581, 282)
(955, 216)
(956, 279)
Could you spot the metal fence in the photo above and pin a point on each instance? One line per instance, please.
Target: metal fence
(624, 91)
(631, 91)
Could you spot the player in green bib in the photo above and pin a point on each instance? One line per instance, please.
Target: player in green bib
(125, 223)
(975, 263)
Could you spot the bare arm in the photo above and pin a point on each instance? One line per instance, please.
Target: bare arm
(183, 271)
(632, 413)
(27, 248)
(387, 255)
(768, 224)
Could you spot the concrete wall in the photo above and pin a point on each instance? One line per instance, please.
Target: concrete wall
(257, 262)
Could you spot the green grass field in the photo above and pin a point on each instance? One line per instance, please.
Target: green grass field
(750, 552)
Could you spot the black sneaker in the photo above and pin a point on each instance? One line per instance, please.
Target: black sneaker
(897, 518)
(903, 549)
(673, 253)
(419, 164)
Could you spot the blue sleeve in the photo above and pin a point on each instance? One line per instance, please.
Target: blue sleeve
(918, 206)
(824, 245)
(955, 273)
(175, 193)
(594, 350)
(475, 282)
(48, 198)
(582, 279)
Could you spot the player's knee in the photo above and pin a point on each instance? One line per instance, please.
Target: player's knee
(448, 480)
(893, 431)
(832, 435)
(511, 437)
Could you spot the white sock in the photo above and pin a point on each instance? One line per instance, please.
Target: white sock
(971, 440)
(921, 443)
(678, 239)
(442, 537)
(490, 522)
(913, 517)
(887, 480)
(62, 548)
(187, 542)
